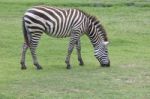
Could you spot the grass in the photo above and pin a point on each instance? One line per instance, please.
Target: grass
(127, 78)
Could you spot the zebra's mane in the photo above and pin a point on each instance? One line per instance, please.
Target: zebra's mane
(93, 18)
(97, 22)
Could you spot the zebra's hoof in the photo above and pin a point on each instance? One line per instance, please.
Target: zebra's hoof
(81, 63)
(39, 68)
(23, 68)
(68, 67)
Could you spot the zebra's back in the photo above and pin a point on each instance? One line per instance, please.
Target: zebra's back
(55, 22)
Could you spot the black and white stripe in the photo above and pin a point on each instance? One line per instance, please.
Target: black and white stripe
(60, 23)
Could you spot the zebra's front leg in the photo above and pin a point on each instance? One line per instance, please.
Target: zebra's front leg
(78, 47)
(33, 46)
(34, 57)
(22, 62)
(70, 49)
(73, 40)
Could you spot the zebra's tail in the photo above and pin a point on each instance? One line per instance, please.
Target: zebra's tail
(26, 33)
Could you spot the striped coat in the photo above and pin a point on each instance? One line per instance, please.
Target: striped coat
(60, 23)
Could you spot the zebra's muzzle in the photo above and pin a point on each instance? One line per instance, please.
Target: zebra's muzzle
(106, 65)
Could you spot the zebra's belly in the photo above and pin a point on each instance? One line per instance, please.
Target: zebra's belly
(59, 34)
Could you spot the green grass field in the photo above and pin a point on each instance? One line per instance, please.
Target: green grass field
(128, 25)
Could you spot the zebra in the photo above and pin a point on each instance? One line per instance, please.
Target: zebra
(61, 23)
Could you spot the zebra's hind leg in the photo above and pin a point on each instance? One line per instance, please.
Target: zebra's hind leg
(34, 43)
(78, 47)
(73, 40)
(22, 62)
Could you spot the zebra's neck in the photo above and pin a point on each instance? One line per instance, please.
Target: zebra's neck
(96, 32)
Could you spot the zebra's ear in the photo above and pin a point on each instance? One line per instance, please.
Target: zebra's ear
(106, 42)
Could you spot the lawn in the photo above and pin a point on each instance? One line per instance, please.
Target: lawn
(128, 25)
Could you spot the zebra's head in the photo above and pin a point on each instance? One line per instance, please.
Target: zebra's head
(98, 37)
(101, 53)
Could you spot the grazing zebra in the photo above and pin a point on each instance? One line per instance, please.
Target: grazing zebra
(61, 23)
